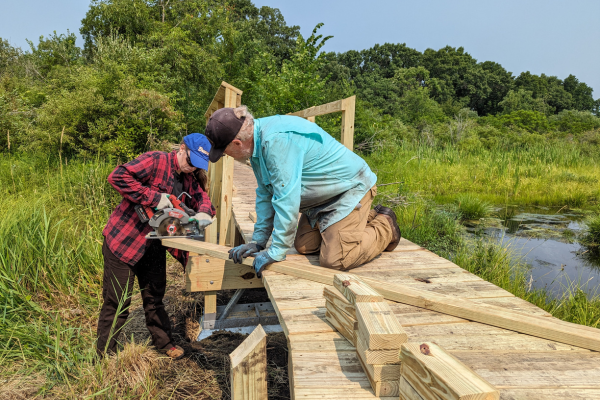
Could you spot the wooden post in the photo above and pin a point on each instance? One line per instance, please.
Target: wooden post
(346, 106)
(210, 303)
(220, 174)
(249, 367)
(348, 109)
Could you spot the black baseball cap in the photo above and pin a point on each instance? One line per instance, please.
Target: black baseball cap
(223, 126)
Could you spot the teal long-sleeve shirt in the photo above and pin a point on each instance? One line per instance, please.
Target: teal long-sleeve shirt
(300, 168)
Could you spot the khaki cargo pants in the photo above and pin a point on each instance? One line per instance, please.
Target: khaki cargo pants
(348, 243)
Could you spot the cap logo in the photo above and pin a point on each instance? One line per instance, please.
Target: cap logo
(201, 150)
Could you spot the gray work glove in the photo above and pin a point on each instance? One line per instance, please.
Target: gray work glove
(203, 219)
(261, 261)
(245, 250)
(164, 201)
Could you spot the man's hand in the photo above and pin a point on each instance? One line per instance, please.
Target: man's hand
(203, 219)
(164, 202)
(240, 252)
(261, 261)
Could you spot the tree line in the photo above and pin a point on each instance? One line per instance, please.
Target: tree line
(148, 70)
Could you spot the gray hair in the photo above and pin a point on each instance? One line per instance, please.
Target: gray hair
(247, 130)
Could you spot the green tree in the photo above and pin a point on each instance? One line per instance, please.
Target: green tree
(581, 93)
(523, 100)
(548, 88)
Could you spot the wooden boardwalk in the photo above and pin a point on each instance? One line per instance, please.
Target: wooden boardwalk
(324, 365)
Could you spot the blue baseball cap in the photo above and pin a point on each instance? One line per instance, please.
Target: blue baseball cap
(199, 149)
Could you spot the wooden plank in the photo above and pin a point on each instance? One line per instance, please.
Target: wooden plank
(407, 392)
(355, 289)
(339, 301)
(547, 328)
(549, 394)
(341, 321)
(435, 374)
(338, 369)
(209, 273)
(249, 367)
(329, 392)
(330, 342)
(381, 388)
(347, 137)
(535, 370)
(252, 216)
(376, 357)
(473, 336)
(323, 109)
(379, 326)
(378, 372)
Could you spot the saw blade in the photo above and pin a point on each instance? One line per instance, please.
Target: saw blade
(170, 227)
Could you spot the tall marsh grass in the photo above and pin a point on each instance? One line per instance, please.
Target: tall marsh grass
(547, 174)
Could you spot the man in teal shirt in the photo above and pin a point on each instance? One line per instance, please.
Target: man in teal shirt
(300, 168)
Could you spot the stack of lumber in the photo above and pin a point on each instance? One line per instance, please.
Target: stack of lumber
(394, 367)
(428, 372)
(363, 317)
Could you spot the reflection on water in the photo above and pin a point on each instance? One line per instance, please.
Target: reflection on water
(547, 242)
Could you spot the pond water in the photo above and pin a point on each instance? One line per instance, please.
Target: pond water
(547, 241)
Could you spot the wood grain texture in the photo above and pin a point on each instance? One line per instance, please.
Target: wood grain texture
(547, 328)
(354, 289)
(210, 302)
(375, 357)
(208, 273)
(438, 375)
(407, 392)
(341, 321)
(249, 367)
(347, 135)
(379, 326)
(336, 298)
(381, 388)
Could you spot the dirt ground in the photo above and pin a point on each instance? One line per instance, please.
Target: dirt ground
(203, 373)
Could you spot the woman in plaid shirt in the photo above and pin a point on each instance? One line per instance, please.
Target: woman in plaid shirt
(148, 180)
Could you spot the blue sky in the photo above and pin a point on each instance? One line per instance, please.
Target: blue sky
(555, 37)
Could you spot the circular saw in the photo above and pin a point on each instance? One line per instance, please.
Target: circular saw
(169, 222)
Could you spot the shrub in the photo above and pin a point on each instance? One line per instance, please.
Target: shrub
(574, 122)
(471, 207)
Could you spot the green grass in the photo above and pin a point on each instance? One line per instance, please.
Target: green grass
(51, 218)
(591, 238)
(553, 174)
(471, 207)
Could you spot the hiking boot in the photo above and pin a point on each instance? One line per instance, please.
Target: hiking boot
(175, 352)
(391, 218)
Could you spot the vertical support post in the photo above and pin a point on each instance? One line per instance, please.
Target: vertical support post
(226, 180)
(210, 308)
(348, 109)
(215, 178)
(249, 367)
(311, 119)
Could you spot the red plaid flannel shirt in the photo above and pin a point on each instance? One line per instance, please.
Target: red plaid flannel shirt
(141, 181)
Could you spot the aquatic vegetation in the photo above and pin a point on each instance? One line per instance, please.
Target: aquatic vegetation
(471, 207)
(591, 238)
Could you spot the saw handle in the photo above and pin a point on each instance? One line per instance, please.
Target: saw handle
(181, 205)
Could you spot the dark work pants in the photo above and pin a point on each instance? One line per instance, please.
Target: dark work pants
(117, 287)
